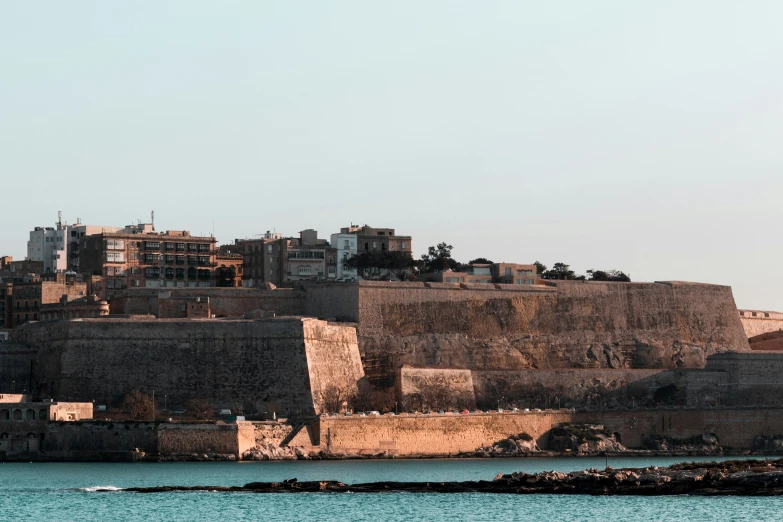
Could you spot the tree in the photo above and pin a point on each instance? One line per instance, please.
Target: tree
(609, 275)
(438, 259)
(332, 398)
(400, 264)
(199, 409)
(561, 271)
(540, 268)
(138, 405)
(481, 261)
(363, 400)
(373, 265)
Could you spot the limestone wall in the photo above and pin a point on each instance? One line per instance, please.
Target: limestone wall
(757, 322)
(186, 439)
(434, 388)
(16, 362)
(441, 435)
(265, 365)
(224, 302)
(514, 327)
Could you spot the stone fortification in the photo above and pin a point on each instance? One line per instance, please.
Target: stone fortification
(269, 365)
(512, 327)
(451, 434)
(223, 302)
(434, 388)
(758, 322)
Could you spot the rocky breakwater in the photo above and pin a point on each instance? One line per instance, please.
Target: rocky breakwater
(737, 477)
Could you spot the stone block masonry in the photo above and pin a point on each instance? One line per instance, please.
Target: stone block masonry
(567, 324)
(268, 365)
(451, 434)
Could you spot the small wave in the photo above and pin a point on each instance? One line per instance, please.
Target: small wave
(94, 489)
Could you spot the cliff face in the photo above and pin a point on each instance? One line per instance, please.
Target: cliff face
(566, 325)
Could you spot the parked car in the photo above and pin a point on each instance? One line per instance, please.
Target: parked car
(361, 414)
(464, 412)
(376, 413)
(225, 412)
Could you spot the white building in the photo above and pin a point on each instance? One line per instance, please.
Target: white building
(346, 245)
(58, 246)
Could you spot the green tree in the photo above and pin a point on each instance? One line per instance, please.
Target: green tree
(561, 271)
(540, 268)
(481, 261)
(438, 259)
(608, 275)
(374, 265)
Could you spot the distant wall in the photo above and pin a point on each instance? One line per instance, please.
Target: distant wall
(434, 388)
(757, 322)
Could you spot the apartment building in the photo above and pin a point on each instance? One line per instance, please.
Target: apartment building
(57, 248)
(138, 256)
(514, 274)
(24, 301)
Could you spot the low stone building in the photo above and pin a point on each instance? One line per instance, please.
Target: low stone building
(23, 422)
(90, 306)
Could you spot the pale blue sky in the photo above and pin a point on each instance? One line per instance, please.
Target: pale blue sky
(643, 136)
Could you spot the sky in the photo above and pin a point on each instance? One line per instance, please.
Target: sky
(638, 136)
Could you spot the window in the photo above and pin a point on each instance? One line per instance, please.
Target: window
(508, 271)
(404, 245)
(305, 270)
(180, 247)
(152, 245)
(374, 245)
(347, 243)
(367, 246)
(269, 248)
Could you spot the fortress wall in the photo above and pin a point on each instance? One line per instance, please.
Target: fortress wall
(332, 358)
(230, 362)
(434, 435)
(74, 439)
(204, 438)
(434, 388)
(760, 323)
(442, 435)
(16, 361)
(567, 325)
(224, 302)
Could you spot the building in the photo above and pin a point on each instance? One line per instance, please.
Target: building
(89, 306)
(138, 256)
(310, 259)
(16, 271)
(345, 245)
(261, 258)
(381, 239)
(229, 270)
(28, 299)
(23, 421)
(514, 274)
(503, 273)
(57, 248)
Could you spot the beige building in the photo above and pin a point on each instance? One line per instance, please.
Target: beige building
(503, 273)
(137, 256)
(25, 301)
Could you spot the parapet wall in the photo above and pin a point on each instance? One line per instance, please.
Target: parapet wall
(758, 322)
(512, 327)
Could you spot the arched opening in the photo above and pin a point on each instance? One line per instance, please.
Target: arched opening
(30, 415)
(5, 414)
(18, 414)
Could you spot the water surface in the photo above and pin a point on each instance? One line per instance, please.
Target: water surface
(61, 491)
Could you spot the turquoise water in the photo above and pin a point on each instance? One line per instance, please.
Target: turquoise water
(55, 492)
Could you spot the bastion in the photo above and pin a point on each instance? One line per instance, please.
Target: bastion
(277, 365)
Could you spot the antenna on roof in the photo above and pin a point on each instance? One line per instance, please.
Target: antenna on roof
(59, 217)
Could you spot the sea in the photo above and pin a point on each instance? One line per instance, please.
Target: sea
(67, 491)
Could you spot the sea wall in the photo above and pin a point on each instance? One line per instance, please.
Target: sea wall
(450, 434)
(267, 365)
